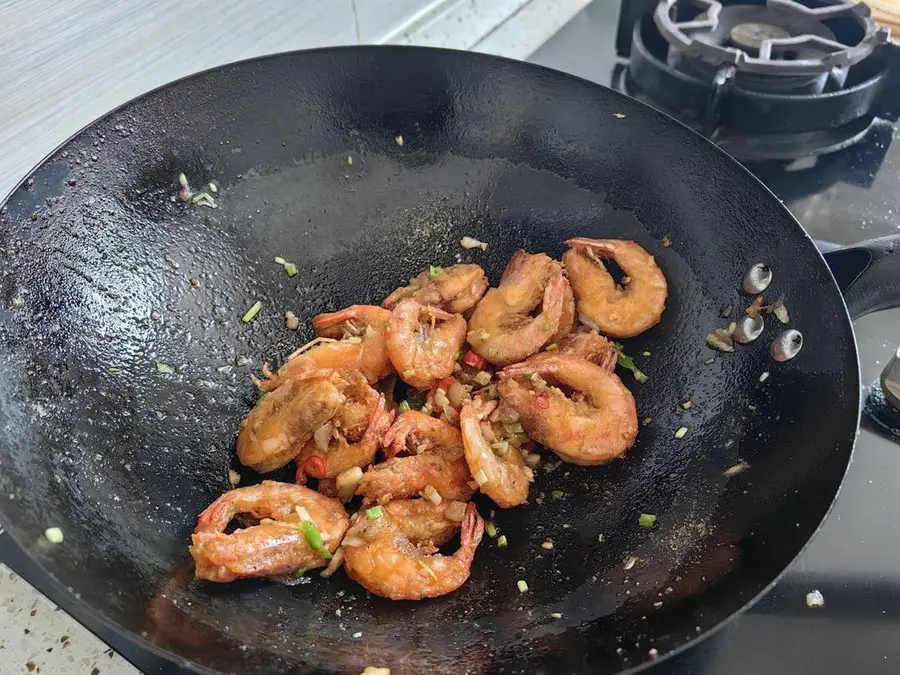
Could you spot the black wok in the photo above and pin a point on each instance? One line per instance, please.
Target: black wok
(104, 274)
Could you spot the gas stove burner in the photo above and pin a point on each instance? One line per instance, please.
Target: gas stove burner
(780, 37)
(724, 68)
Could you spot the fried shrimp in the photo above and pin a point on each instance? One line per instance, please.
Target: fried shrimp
(388, 556)
(594, 425)
(415, 432)
(351, 438)
(280, 425)
(434, 457)
(279, 544)
(619, 311)
(423, 342)
(427, 524)
(351, 339)
(589, 345)
(454, 289)
(502, 328)
(501, 475)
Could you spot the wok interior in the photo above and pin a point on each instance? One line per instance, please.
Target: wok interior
(114, 276)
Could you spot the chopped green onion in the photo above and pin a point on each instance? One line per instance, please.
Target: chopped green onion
(289, 267)
(374, 513)
(314, 539)
(252, 312)
(709, 361)
(551, 347)
(491, 529)
(182, 180)
(203, 199)
(682, 431)
(426, 409)
(628, 363)
(501, 541)
(299, 573)
(165, 368)
(404, 406)
(557, 494)
(522, 586)
(530, 376)
(434, 272)
(114, 370)
(645, 353)
(647, 520)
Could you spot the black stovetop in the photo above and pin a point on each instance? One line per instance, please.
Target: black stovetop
(840, 198)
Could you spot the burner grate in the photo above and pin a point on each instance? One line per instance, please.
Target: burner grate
(782, 114)
(781, 37)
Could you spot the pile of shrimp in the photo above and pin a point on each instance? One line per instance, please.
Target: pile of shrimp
(408, 409)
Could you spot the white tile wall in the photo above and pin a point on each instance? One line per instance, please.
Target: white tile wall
(380, 19)
(66, 63)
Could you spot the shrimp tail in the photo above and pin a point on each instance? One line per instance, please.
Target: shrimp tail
(381, 421)
(516, 262)
(215, 516)
(582, 243)
(437, 313)
(472, 530)
(555, 299)
(542, 364)
(391, 301)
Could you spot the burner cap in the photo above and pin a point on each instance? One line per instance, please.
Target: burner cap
(751, 35)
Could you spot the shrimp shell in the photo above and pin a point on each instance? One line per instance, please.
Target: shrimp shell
(280, 425)
(274, 547)
(366, 352)
(393, 561)
(618, 311)
(455, 289)
(598, 424)
(356, 433)
(507, 479)
(502, 330)
(423, 342)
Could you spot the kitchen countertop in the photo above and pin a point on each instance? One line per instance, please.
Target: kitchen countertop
(36, 634)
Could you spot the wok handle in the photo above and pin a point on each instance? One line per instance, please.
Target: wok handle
(868, 274)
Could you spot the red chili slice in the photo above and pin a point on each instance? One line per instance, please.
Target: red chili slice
(316, 463)
(472, 359)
